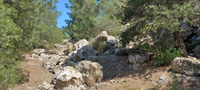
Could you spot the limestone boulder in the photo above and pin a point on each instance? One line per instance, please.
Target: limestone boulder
(64, 49)
(93, 69)
(83, 53)
(102, 36)
(188, 66)
(69, 76)
(50, 63)
(111, 41)
(43, 57)
(81, 44)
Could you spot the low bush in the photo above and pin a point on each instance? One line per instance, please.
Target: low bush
(166, 56)
(99, 45)
(163, 56)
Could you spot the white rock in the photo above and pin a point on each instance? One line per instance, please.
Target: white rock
(43, 57)
(102, 35)
(50, 63)
(163, 78)
(92, 68)
(187, 66)
(111, 41)
(34, 55)
(44, 86)
(68, 76)
(81, 44)
(38, 51)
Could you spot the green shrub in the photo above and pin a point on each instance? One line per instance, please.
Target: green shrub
(24, 26)
(100, 46)
(146, 47)
(10, 72)
(163, 56)
(47, 38)
(166, 56)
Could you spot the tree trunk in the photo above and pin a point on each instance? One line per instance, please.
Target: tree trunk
(181, 44)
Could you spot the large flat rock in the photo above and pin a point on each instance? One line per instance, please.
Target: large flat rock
(189, 66)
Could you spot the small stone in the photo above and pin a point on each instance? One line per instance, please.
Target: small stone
(34, 55)
(154, 83)
(163, 78)
(44, 86)
(38, 51)
(112, 81)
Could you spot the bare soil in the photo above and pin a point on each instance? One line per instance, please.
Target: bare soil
(37, 74)
(119, 75)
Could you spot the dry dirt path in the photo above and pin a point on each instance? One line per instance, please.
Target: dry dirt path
(119, 75)
(37, 74)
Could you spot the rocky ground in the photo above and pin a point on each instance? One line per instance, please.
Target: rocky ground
(77, 66)
(36, 74)
(146, 77)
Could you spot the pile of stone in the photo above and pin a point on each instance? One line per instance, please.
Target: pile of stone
(74, 64)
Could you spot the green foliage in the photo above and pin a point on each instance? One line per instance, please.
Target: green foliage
(89, 17)
(10, 73)
(166, 56)
(112, 26)
(82, 23)
(25, 24)
(174, 84)
(198, 85)
(131, 33)
(163, 18)
(110, 12)
(163, 56)
(47, 38)
(135, 9)
(146, 47)
(99, 45)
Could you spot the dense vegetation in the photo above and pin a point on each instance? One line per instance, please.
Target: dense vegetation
(88, 17)
(25, 24)
(28, 24)
(163, 19)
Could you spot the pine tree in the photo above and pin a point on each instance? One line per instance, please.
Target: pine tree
(158, 17)
(89, 17)
(82, 21)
